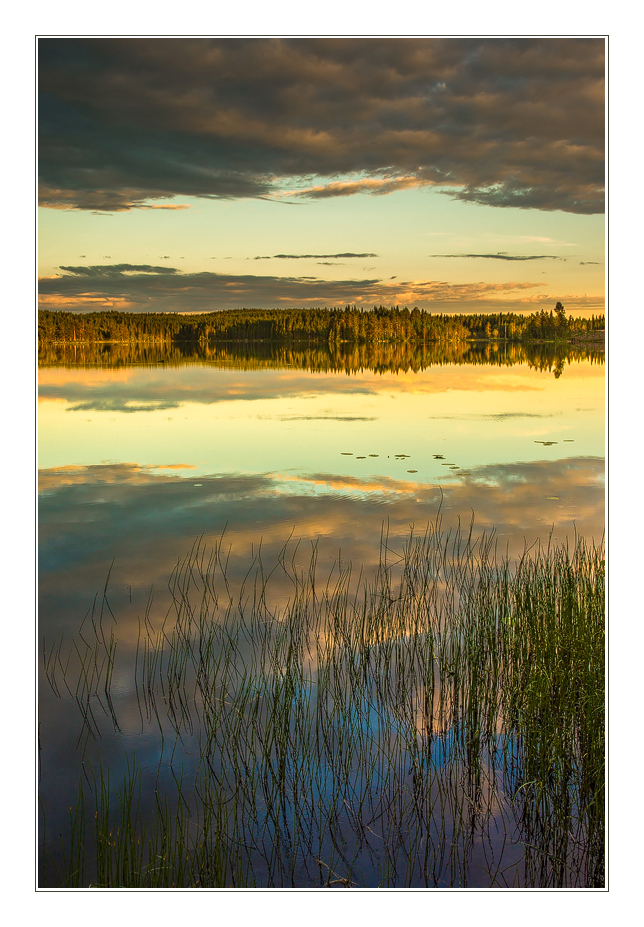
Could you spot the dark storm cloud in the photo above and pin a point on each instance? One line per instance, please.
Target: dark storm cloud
(506, 122)
(298, 257)
(503, 256)
(145, 288)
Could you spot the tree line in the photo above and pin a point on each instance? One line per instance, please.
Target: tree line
(336, 325)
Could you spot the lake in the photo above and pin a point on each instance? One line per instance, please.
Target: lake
(159, 470)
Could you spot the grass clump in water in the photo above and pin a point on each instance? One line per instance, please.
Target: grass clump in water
(440, 724)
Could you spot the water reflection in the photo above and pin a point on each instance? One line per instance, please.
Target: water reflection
(270, 451)
(248, 421)
(143, 520)
(336, 358)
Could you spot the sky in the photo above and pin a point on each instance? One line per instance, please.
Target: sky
(191, 174)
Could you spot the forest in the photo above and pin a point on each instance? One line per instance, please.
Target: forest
(333, 326)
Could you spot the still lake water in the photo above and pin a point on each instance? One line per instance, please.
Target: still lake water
(137, 461)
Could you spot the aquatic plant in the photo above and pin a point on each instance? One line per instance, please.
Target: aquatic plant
(439, 723)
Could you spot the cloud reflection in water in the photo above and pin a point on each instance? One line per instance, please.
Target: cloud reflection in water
(148, 517)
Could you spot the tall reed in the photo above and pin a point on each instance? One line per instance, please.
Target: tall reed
(440, 723)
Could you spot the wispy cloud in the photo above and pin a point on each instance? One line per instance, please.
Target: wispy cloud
(299, 257)
(324, 418)
(96, 404)
(177, 466)
(111, 270)
(379, 186)
(163, 206)
(541, 238)
(495, 417)
(504, 256)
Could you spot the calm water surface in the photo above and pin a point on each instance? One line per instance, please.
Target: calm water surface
(138, 461)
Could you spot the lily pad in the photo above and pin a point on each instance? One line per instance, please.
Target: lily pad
(412, 471)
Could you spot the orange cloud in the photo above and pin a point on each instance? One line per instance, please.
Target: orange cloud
(377, 186)
(54, 478)
(169, 206)
(84, 301)
(179, 466)
(352, 484)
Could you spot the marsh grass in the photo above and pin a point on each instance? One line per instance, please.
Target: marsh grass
(438, 724)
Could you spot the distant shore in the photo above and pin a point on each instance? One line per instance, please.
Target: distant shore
(330, 328)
